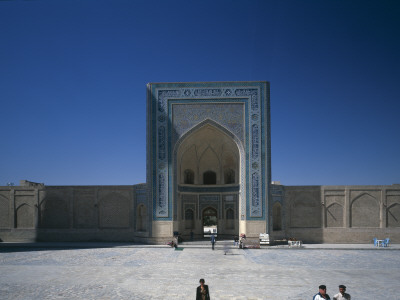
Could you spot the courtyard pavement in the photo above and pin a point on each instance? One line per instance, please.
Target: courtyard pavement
(126, 271)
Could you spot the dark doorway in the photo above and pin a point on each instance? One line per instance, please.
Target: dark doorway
(210, 177)
(188, 176)
(210, 222)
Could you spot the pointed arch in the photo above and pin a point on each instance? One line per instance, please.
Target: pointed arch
(364, 195)
(365, 211)
(334, 215)
(24, 216)
(209, 166)
(199, 153)
(393, 215)
(216, 139)
(214, 124)
(54, 212)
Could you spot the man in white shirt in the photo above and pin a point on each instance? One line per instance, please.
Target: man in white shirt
(322, 295)
(342, 295)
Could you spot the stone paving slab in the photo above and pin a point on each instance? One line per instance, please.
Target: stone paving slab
(196, 244)
(133, 272)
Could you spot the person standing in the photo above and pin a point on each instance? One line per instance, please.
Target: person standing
(202, 292)
(242, 238)
(322, 293)
(342, 295)
(235, 241)
(213, 240)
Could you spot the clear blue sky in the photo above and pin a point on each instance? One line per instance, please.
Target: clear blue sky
(73, 80)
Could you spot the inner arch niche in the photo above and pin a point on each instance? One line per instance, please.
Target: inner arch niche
(208, 150)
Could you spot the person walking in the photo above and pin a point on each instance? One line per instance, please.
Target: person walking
(342, 295)
(322, 295)
(212, 241)
(202, 292)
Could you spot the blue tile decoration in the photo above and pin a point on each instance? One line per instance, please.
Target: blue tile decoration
(161, 142)
(186, 116)
(161, 207)
(255, 143)
(239, 109)
(208, 189)
(255, 194)
(207, 92)
(210, 201)
(230, 201)
(141, 195)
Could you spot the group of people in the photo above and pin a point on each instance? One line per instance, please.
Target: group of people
(322, 295)
(203, 293)
(236, 241)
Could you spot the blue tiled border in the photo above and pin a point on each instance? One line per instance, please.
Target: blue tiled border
(265, 137)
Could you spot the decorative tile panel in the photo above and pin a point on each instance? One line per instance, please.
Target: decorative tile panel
(161, 143)
(229, 115)
(239, 109)
(161, 208)
(208, 189)
(210, 201)
(141, 196)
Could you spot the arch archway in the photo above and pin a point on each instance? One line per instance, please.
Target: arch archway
(216, 157)
(209, 147)
(141, 214)
(365, 211)
(277, 217)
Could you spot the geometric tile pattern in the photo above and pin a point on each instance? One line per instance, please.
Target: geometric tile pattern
(240, 109)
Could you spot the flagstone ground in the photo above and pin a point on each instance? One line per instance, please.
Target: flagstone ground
(135, 272)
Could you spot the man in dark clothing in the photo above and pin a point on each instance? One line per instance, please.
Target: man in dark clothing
(202, 292)
(322, 295)
(213, 240)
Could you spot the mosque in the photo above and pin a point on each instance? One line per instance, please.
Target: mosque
(208, 169)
